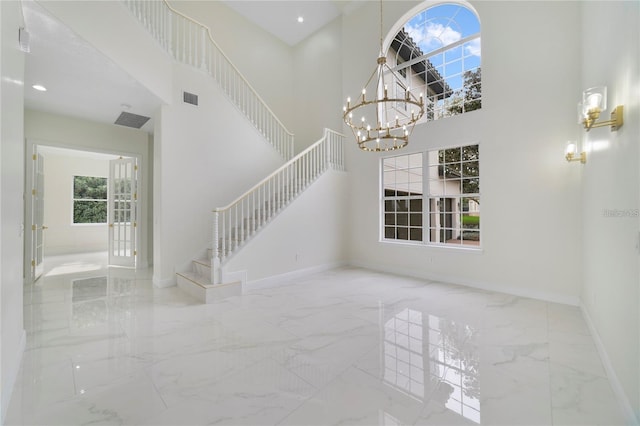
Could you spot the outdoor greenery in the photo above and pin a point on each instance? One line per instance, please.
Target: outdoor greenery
(89, 199)
(470, 97)
(469, 221)
(461, 163)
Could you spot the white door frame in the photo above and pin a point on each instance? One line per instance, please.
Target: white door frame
(123, 212)
(30, 147)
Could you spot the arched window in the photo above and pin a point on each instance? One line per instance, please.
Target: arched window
(437, 52)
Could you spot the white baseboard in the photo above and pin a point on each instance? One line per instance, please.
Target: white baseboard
(231, 277)
(275, 280)
(450, 279)
(618, 390)
(12, 377)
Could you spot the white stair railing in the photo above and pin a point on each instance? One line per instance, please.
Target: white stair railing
(191, 43)
(236, 223)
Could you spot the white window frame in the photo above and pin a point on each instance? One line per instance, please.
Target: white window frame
(427, 196)
(439, 108)
(74, 199)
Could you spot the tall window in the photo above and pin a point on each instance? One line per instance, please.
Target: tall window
(402, 195)
(454, 195)
(432, 197)
(440, 47)
(89, 199)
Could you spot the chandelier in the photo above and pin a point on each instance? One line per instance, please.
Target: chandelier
(382, 122)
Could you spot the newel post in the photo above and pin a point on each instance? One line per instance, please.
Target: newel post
(215, 257)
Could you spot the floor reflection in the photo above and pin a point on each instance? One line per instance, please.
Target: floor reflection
(428, 357)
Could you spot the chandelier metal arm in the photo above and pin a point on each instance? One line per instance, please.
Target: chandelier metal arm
(377, 132)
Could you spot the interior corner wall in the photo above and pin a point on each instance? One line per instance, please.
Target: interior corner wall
(64, 237)
(205, 157)
(68, 132)
(12, 335)
(611, 190)
(264, 60)
(530, 195)
(318, 84)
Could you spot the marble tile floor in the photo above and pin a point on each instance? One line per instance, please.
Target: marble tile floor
(346, 346)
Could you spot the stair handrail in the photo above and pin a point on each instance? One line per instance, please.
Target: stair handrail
(266, 198)
(284, 166)
(164, 34)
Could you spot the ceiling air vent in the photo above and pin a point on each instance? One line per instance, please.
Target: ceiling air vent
(131, 120)
(190, 98)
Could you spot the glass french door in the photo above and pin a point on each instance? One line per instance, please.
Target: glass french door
(37, 217)
(123, 211)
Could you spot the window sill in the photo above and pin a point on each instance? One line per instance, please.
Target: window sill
(446, 247)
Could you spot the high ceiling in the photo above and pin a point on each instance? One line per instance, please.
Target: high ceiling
(280, 18)
(80, 81)
(84, 83)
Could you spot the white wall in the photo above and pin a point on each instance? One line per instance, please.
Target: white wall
(64, 237)
(205, 157)
(67, 132)
(611, 181)
(307, 234)
(530, 195)
(317, 76)
(265, 61)
(12, 336)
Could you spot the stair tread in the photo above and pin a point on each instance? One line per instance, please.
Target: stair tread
(196, 278)
(203, 261)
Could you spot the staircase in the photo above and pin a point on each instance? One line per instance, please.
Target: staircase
(189, 42)
(237, 223)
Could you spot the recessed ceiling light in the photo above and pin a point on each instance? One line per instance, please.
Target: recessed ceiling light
(300, 19)
(39, 87)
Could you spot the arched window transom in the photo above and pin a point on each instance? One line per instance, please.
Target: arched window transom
(437, 53)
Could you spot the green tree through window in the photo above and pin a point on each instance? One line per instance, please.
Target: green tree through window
(89, 199)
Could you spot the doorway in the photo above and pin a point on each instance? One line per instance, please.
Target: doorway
(81, 202)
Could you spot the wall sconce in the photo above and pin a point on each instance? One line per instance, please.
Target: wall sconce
(594, 101)
(571, 153)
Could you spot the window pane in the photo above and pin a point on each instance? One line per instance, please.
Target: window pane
(89, 187)
(403, 233)
(389, 219)
(471, 186)
(415, 219)
(415, 234)
(389, 232)
(415, 205)
(470, 152)
(89, 211)
(452, 155)
(471, 168)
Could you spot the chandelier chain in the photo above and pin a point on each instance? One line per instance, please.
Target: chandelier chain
(383, 117)
(380, 27)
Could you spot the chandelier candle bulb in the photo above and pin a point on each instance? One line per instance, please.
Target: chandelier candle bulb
(377, 110)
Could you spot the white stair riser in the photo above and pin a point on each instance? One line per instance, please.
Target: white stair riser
(200, 269)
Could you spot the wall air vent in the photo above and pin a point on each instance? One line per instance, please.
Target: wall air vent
(131, 120)
(190, 98)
